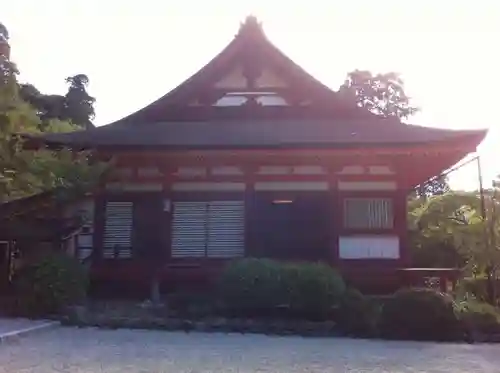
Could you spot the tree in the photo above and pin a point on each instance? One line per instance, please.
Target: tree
(382, 94)
(24, 172)
(47, 107)
(449, 230)
(79, 104)
(439, 228)
(15, 116)
(4, 33)
(433, 187)
(491, 254)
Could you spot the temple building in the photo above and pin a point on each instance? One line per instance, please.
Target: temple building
(253, 157)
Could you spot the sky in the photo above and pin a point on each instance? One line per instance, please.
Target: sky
(136, 51)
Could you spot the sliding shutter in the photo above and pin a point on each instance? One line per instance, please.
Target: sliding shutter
(189, 229)
(213, 229)
(118, 230)
(368, 213)
(226, 222)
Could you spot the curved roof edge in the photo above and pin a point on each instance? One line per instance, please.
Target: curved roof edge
(261, 134)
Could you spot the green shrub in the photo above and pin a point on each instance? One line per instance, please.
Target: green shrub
(313, 289)
(50, 284)
(477, 286)
(251, 287)
(479, 317)
(358, 315)
(420, 314)
(263, 287)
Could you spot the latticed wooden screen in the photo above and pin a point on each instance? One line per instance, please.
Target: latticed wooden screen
(368, 213)
(212, 229)
(118, 230)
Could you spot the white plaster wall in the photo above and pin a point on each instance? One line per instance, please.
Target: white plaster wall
(291, 185)
(369, 247)
(367, 185)
(187, 186)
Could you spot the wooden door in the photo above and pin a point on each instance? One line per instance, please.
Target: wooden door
(150, 228)
(291, 227)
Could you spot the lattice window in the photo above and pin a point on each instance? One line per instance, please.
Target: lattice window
(212, 229)
(226, 222)
(189, 229)
(118, 230)
(368, 213)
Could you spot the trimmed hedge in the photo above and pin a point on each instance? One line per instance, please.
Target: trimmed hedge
(264, 287)
(420, 314)
(47, 286)
(358, 315)
(251, 287)
(313, 289)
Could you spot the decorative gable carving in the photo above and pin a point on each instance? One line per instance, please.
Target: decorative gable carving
(268, 79)
(234, 80)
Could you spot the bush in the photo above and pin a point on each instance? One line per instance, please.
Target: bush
(263, 287)
(50, 284)
(358, 315)
(420, 314)
(479, 317)
(313, 289)
(251, 287)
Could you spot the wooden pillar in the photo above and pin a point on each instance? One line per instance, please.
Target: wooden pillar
(249, 216)
(336, 223)
(401, 226)
(250, 176)
(99, 221)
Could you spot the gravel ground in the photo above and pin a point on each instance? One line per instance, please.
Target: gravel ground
(92, 350)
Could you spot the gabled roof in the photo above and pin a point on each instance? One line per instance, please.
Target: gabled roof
(250, 69)
(252, 49)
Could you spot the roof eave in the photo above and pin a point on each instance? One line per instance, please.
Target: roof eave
(468, 142)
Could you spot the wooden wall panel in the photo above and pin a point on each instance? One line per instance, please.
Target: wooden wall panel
(290, 225)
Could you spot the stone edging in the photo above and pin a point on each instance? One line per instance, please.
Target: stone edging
(228, 325)
(278, 327)
(15, 334)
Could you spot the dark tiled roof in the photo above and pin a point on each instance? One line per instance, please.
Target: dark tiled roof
(261, 134)
(160, 125)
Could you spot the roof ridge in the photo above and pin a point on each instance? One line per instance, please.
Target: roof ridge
(251, 26)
